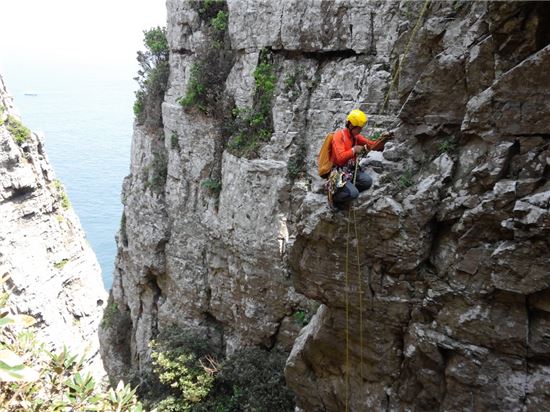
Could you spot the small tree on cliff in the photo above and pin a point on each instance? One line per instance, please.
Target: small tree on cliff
(152, 77)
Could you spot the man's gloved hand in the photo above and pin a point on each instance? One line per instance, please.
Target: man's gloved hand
(358, 149)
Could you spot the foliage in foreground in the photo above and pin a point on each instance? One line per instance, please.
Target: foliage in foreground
(33, 378)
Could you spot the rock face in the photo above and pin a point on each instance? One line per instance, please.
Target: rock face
(52, 272)
(446, 305)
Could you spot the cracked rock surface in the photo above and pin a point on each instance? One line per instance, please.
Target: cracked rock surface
(53, 274)
(447, 300)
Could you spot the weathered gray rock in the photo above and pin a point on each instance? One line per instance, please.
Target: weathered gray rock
(52, 272)
(445, 306)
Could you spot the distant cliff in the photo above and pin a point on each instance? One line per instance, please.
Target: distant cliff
(226, 229)
(52, 272)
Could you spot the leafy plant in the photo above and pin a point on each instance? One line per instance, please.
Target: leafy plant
(61, 264)
(221, 21)
(254, 126)
(207, 75)
(186, 365)
(406, 179)
(111, 311)
(447, 146)
(212, 185)
(65, 202)
(251, 380)
(301, 317)
(152, 77)
(174, 141)
(157, 173)
(20, 132)
(55, 381)
(196, 91)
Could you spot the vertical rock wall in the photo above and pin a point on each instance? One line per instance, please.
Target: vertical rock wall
(454, 252)
(453, 318)
(52, 272)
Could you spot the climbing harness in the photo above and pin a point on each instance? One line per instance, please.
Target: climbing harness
(352, 211)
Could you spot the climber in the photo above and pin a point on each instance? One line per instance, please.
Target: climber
(346, 145)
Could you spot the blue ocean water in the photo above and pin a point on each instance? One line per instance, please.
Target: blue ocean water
(86, 116)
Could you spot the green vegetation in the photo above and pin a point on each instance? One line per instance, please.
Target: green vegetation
(209, 9)
(213, 185)
(35, 379)
(191, 375)
(197, 92)
(18, 130)
(254, 126)
(65, 202)
(296, 163)
(221, 21)
(174, 141)
(301, 317)
(61, 264)
(447, 146)
(406, 179)
(208, 73)
(110, 313)
(251, 380)
(1, 114)
(152, 77)
(157, 173)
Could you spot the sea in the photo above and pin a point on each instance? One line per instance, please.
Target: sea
(85, 114)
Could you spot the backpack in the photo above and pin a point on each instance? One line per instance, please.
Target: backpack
(324, 164)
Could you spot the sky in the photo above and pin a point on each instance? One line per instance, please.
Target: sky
(102, 33)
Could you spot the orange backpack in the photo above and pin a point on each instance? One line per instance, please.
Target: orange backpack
(324, 164)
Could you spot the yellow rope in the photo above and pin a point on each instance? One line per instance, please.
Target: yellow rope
(347, 309)
(386, 100)
(360, 294)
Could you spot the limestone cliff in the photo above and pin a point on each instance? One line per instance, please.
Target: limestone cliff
(453, 237)
(52, 272)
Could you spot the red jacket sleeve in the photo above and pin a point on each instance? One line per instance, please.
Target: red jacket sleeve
(377, 145)
(341, 153)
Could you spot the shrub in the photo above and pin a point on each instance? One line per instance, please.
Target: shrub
(174, 142)
(209, 9)
(212, 185)
(197, 92)
(157, 173)
(296, 163)
(152, 77)
(110, 313)
(123, 232)
(251, 380)
(220, 22)
(253, 126)
(18, 130)
(185, 365)
(64, 198)
(448, 146)
(406, 179)
(207, 75)
(61, 264)
(56, 381)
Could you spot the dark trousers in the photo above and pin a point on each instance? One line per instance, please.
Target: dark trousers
(351, 191)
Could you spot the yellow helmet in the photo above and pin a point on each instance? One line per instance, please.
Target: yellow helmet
(357, 118)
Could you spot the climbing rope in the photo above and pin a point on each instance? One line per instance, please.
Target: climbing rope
(352, 210)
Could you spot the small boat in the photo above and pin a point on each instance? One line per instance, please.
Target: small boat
(30, 94)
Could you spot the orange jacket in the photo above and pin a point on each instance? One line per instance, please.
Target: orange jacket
(342, 143)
